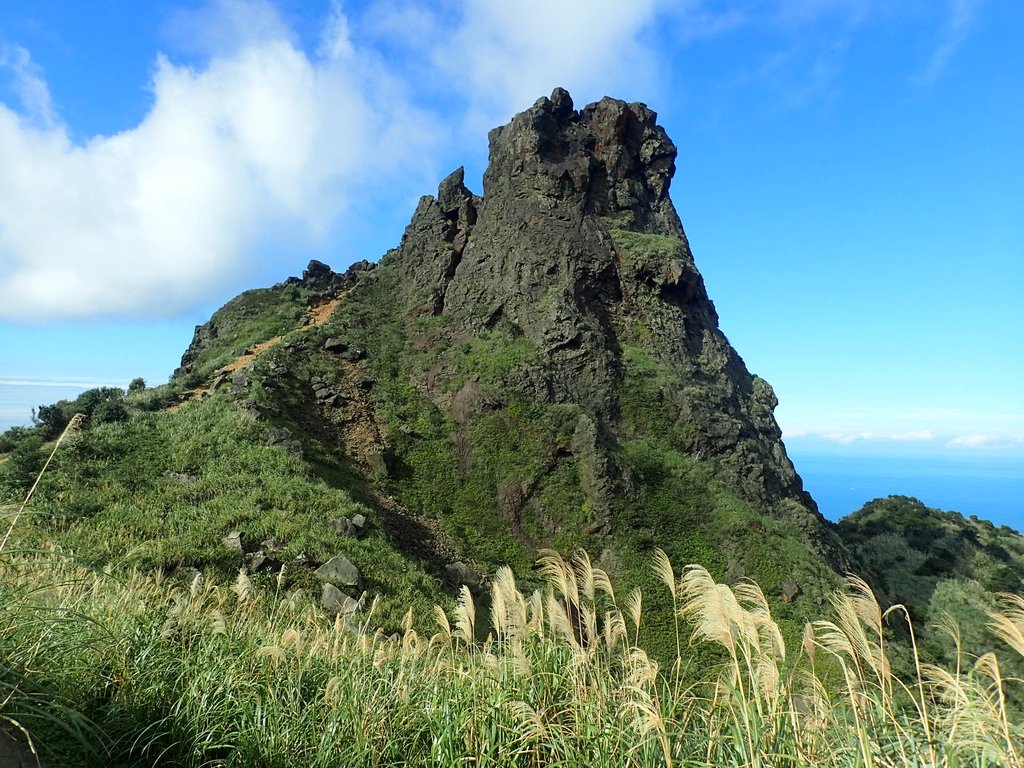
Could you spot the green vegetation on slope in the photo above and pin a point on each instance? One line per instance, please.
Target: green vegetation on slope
(656, 254)
(145, 493)
(162, 490)
(247, 320)
(501, 474)
(938, 564)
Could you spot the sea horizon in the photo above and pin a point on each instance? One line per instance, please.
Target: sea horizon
(990, 487)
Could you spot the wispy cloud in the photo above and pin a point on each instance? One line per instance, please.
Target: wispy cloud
(960, 17)
(922, 437)
(921, 434)
(29, 85)
(846, 438)
(502, 56)
(224, 27)
(986, 441)
(67, 382)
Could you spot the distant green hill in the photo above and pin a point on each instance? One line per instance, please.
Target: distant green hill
(938, 564)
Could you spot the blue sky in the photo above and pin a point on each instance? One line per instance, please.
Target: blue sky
(850, 176)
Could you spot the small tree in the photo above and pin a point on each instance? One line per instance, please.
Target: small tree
(108, 411)
(52, 418)
(10, 439)
(137, 384)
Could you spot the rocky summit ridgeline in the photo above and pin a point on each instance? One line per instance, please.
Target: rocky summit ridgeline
(537, 366)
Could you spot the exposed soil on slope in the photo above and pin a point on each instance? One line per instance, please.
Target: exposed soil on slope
(317, 315)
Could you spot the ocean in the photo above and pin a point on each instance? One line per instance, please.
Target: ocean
(989, 487)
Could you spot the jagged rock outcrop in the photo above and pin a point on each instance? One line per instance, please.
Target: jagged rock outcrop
(536, 366)
(576, 247)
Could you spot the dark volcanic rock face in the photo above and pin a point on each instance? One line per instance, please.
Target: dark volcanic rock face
(576, 247)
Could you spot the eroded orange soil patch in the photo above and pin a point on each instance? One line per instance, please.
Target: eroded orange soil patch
(321, 313)
(317, 315)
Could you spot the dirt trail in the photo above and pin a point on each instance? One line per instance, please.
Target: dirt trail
(317, 315)
(365, 438)
(321, 313)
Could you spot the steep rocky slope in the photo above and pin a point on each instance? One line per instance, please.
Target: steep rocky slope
(541, 365)
(576, 247)
(536, 366)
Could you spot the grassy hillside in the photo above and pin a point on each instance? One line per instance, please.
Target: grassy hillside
(129, 600)
(943, 567)
(128, 672)
(245, 322)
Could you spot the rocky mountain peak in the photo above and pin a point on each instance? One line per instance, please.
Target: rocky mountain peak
(567, 289)
(576, 251)
(610, 157)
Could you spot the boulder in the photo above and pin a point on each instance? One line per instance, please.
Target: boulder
(282, 438)
(250, 409)
(240, 383)
(235, 540)
(341, 572)
(459, 573)
(790, 591)
(342, 526)
(377, 460)
(304, 560)
(259, 561)
(336, 602)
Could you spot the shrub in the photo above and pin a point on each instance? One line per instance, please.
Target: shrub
(23, 464)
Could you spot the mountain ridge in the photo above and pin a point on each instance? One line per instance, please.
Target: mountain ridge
(536, 367)
(590, 189)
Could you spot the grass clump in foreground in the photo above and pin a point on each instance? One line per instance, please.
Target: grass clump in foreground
(210, 674)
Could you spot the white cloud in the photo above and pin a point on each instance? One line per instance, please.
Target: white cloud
(29, 85)
(986, 441)
(30, 381)
(845, 438)
(923, 437)
(920, 435)
(222, 27)
(262, 143)
(503, 56)
(959, 20)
